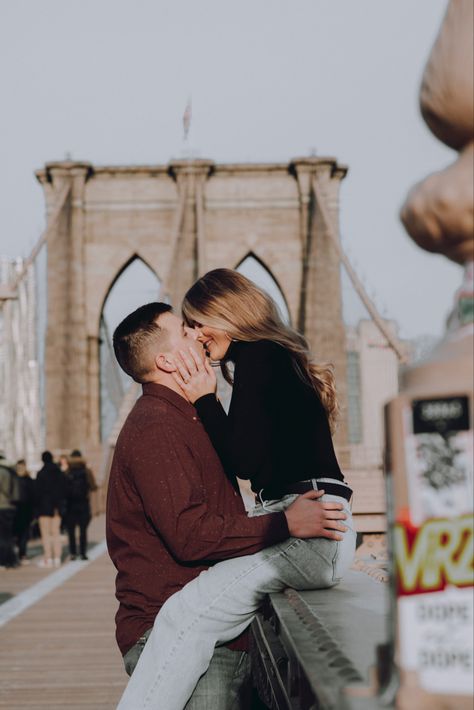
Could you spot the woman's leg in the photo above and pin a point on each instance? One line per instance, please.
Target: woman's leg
(23, 536)
(45, 532)
(56, 538)
(71, 534)
(215, 608)
(83, 525)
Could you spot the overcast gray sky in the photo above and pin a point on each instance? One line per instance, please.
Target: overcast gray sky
(108, 81)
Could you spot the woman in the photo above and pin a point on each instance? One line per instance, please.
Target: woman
(24, 509)
(50, 501)
(80, 482)
(278, 435)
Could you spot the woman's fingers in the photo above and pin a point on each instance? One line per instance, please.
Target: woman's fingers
(183, 370)
(178, 379)
(188, 362)
(197, 359)
(208, 367)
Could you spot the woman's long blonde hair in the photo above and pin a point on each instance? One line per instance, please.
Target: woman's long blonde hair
(225, 299)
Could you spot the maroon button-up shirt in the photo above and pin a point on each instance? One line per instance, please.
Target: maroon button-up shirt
(171, 512)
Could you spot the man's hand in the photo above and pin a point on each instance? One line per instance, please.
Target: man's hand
(306, 517)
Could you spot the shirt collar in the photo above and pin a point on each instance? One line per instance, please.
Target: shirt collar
(153, 389)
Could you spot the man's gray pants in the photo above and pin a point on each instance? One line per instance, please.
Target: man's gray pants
(226, 685)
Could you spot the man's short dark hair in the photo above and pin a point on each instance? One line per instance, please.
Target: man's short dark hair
(134, 334)
(47, 457)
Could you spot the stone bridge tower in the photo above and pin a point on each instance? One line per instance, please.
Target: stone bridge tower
(181, 219)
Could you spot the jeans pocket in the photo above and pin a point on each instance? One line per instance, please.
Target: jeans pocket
(132, 656)
(344, 555)
(312, 562)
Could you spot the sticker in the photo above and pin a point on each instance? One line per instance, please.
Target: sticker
(434, 556)
(436, 640)
(434, 546)
(439, 457)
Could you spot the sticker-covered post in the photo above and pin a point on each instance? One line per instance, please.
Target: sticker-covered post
(429, 427)
(430, 475)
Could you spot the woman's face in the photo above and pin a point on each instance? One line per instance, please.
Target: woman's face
(215, 341)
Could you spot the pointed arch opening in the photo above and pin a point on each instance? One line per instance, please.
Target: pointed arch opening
(135, 284)
(254, 269)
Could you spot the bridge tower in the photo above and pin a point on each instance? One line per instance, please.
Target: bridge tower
(181, 219)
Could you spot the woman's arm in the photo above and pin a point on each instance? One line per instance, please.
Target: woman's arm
(253, 408)
(243, 440)
(214, 418)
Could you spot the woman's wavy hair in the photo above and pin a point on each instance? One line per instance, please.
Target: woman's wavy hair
(225, 299)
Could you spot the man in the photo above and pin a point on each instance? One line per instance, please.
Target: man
(8, 498)
(171, 510)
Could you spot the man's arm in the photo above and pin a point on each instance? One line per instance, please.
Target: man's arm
(169, 481)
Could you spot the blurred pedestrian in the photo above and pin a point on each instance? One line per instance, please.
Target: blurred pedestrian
(50, 501)
(24, 509)
(80, 482)
(63, 463)
(8, 494)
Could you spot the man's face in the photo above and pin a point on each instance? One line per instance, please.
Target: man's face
(179, 336)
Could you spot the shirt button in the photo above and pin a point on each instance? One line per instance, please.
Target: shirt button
(194, 419)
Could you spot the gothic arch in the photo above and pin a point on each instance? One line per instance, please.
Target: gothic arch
(263, 277)
(98, 293)
(131, 260)
(134, 284)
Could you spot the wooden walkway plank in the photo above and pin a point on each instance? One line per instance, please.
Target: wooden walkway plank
(61, 652)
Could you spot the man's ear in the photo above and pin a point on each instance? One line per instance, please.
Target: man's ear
(165, 362)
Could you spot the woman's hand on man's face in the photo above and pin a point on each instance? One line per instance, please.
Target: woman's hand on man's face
(194, 375)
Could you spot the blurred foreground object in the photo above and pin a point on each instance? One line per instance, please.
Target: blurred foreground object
(429, 455)
(438, 213)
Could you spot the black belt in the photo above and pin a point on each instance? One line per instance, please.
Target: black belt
(334, 489)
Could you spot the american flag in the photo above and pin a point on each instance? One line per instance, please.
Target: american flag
(187, 115)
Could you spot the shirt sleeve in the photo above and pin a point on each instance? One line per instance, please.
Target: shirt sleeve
(168, 479)
(244, 439)
(216, 423)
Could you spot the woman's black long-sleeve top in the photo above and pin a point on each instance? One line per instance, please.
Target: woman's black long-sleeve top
(277, 431)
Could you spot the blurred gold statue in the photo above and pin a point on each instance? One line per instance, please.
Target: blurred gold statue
(438, 212)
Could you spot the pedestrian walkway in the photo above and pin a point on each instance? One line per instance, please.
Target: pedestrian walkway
(60, 652)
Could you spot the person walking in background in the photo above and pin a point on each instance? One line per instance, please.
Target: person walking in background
(80, 482)
(8, 494)
(24, 509)
(63, 463)
(50, 501)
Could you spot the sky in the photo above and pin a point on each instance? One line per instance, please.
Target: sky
(108, 80)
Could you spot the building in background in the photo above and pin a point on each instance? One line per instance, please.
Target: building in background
(20, 411)
(372, 380)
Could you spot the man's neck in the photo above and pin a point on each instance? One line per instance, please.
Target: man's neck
(168, 381)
